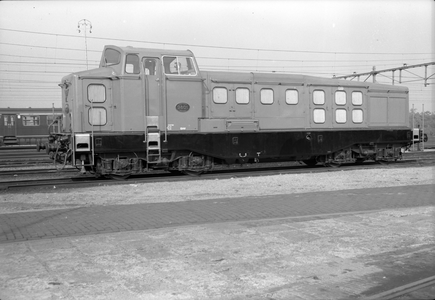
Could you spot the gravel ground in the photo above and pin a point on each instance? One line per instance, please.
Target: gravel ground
(132, 193)
(337, 258)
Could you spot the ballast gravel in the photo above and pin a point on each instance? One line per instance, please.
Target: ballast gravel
(132, 193)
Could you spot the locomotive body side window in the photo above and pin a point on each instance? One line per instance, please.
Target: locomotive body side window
(340, 116)
(97, 116)
(291, 96)
(179, 65)
(266, 96)
(132, 64)
(357, 98)
(319, 97)
(112, 57)
(242, 96)
(96, 93)
(319, 115)
(220, 95)
(31, 120)
(357, 116)
(340, 97)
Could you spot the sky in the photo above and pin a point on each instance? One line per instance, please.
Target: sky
(40, 42)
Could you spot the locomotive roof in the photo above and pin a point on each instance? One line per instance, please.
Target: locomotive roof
(296, 79)
(258, 77)
(150, 51)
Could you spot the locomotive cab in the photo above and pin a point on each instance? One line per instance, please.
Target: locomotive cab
(149, 86)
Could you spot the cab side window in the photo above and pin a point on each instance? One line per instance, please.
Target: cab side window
(132, 64)
(179, 65)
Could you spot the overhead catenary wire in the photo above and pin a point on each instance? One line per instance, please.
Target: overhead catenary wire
(313, 66)
(213, 46)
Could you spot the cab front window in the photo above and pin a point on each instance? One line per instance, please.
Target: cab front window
(111, 57)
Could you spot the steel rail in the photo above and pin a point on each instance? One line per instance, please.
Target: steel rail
(90, 180)
(404, 289)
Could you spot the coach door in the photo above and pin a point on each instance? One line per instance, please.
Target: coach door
(232, 101)
(9, 125)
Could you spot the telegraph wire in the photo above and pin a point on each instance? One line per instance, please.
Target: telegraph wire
(239, 59)
(41, 57)
(216, 47)
(46, 47)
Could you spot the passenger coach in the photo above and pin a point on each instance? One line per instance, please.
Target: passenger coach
(25, 126)
(146, 109)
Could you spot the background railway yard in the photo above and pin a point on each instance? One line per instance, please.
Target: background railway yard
(287, 233)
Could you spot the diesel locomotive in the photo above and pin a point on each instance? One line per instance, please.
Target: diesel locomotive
(153, 109)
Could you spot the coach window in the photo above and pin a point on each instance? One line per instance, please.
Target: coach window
(319, 116)
(319, 97)
(266, 96)
(357, 98)
(50, 119)
(340, 97)
(220, 95)
(112, 57)
(132, 64)
(30, 120)
(291, 96)
(7, 122)
(97, 116)
(242, 96)
(357, 116)
(96, 93)
(340, 116)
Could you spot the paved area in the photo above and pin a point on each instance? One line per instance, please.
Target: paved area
(327, 245)
(106, 219)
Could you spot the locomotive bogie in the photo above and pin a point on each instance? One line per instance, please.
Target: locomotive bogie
(150, 109)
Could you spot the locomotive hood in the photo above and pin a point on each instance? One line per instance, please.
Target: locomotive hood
(94, 73)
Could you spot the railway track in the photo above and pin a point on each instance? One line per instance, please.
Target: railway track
(28, 171)
(81, 180)
(421, 289)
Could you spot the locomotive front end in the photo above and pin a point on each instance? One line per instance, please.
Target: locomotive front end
(58, 146)
(73, 145)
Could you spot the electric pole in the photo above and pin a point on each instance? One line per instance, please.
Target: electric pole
(85, 23)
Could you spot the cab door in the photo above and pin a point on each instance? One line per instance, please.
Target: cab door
(152, 86)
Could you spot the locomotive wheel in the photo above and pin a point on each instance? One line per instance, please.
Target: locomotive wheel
(118, 177)
(333, 164)
(310, 162)
(383, 162)
(360, 161)
(192, 173)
